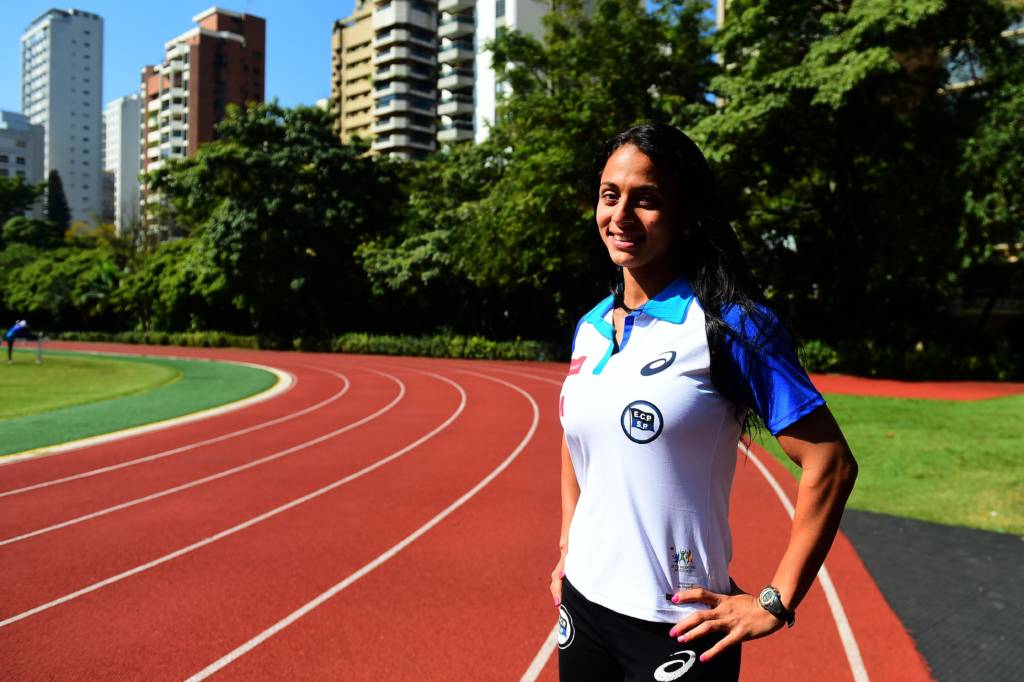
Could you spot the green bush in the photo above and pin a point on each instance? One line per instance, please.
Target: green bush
(437, 346)
(818, 356)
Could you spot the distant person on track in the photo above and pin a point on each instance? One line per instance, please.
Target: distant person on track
(20, 328)
(666, 373)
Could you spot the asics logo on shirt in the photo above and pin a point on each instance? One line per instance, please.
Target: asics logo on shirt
(660, 364)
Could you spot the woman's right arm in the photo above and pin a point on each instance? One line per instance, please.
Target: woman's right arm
(570, 495)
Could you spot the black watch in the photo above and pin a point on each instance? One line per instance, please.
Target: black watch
(771, 601)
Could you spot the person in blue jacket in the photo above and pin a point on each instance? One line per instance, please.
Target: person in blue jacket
(20, 328)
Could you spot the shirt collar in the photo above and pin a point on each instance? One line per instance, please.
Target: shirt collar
(670, 305)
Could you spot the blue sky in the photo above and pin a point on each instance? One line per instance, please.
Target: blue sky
(298, 42)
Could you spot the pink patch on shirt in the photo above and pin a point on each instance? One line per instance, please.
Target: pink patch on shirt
(576, 364)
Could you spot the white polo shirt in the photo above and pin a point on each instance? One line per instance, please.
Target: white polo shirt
(653, 445)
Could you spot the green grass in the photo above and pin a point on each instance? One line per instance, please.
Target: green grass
(953, 462)
(199, 385)
(64, 381)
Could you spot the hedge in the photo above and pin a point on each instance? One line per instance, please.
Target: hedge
(438, 346)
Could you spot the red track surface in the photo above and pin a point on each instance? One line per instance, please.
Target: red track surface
(200, 562)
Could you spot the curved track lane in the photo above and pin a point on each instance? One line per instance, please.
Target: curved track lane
(406, 533)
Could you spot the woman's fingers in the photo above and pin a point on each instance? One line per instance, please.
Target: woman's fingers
(727, 641)
(697, 594)
(556, 583)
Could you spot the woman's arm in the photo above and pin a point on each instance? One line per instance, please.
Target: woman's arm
(817, 445)
(570, 495)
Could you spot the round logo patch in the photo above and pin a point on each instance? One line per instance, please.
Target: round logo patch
(641, 421)
(566, 631)
(659, 364)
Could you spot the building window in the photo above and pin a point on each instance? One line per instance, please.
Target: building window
(499, 9)
(20, 160)
(4, 158)
(20, 173)
(3, 173)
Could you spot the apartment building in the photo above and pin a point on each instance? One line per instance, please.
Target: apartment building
(121, 161)
(351, 101)
(61, 90)
(384, 76)
(219, 62)
(21, 151)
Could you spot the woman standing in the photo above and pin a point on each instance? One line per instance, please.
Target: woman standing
(664, 373)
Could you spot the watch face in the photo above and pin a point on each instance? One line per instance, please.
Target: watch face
(767, 597)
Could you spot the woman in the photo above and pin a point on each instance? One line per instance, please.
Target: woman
(664, 374)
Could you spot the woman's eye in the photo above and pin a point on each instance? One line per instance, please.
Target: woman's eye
(609, 197)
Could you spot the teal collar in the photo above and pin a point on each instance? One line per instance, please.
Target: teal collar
(669, 305)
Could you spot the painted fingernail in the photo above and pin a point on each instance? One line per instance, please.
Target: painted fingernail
(675, 598)
(682, 638)
(672, 632)
(704, 658)
(561, 574)
(558, 601)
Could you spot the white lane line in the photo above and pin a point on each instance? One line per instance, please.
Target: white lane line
(285, 382)
(219, 475)
(190, 446)
(408, 540)
(850, 647)
(542, 657)
(251, 522)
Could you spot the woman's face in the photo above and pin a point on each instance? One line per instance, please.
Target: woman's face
(636, 216)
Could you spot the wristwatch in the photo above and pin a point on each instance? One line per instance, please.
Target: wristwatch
(771, 601)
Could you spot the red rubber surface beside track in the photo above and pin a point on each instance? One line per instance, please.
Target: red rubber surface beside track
(206, 548)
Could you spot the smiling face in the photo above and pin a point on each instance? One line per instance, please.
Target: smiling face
(636, 215)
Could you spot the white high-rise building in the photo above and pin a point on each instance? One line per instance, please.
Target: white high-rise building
(61, 89)
(21, 152)
(469, 88)
(121, 158)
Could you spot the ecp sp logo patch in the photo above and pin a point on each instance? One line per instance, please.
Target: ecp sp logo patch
(566, 632)
(641, 421)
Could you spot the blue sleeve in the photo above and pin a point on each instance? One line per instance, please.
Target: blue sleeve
(770, 375)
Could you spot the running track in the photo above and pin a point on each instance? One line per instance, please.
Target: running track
(386, 518)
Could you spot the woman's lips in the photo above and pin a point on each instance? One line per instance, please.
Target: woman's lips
(625, 241)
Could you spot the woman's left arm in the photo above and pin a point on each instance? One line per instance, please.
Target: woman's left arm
(817, 445)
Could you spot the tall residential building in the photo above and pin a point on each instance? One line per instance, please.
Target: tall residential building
(21, 151)
(523, 16)
(385, 55)
(352, 73)
(61, 89)
(121, 159)
(219, 62)
(456, 80)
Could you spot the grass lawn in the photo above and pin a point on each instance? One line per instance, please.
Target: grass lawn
(952, 462)
(177, 387)
(66, 380)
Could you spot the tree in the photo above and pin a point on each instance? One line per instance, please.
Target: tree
(838, 142)
(511, 219)
(32, 231)
(280, 206)
(16, 197)
(57, 210)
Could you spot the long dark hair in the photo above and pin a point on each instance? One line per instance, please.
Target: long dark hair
(706, 251)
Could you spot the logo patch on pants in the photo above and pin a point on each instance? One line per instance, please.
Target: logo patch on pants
(566, 632)
(675, 668)
(641, 421)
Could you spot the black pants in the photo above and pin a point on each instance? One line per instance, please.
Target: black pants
(10, 348)
(596, 644)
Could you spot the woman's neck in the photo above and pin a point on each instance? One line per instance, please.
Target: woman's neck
(643, 284)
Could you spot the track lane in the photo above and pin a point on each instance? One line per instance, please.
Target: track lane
(115, 543)
(290, 554)
(425, 616)
(208, 464)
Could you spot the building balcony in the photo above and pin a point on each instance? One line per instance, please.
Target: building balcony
(410, 105)
(405, 71)
(401, 12)
(401, 36)
(456, 27)
(398, 123)
(405, 54)
(454, 106)
(455, 5)
(397, 142)
(455, 55)
(455, 80)
(455, 133)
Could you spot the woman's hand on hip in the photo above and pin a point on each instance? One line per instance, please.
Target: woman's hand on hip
(738, 616)
(556, 580)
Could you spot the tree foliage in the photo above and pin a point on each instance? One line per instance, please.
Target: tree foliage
(16, 197)
(57, 210)
(279, 205)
